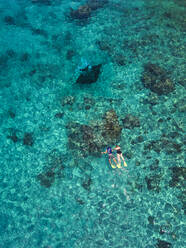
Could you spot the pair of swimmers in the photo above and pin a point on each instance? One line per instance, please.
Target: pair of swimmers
(119, 156)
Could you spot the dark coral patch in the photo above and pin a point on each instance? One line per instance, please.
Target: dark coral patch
(111, 128)
(151, 220)
(46, 178)
(91, 139)
(11, 113)
(130, 121)
(163, 244)
(81, 137)
(153, 183)
(87, 183)
(80, 201)
(83, 12)
(70, 54)
(96, 4)
(59, 115)
(25, 57)
(164, 144)
(68, 100)
(28, 139)
(9, 20)
(178, 177)
(156, 79)
(120, 59)
(13, 137)
(38, 31)
(53, 170)
(11, 53)
(84, 138)
(43, 2)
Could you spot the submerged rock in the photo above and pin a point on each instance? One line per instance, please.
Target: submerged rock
(156, 79)
(89, 74)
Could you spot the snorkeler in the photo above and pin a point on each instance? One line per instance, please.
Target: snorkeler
(120, 156)
(111, 156)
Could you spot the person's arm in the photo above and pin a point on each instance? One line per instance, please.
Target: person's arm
(104, 152)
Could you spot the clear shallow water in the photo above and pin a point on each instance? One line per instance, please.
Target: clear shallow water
(55, 190)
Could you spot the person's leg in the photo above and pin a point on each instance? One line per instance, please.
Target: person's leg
(119, 159)
(113, 166)
(113, 158)
(118, 162)
(115, 161)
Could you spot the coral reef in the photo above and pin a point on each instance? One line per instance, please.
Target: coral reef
(164, 144)
(9, 20)
(111, 129)
(83, 138)
(53, 170)
(68, 100)
(13, 137)
(46, 178)
(70, 54)
(90, 140)
(155, 78)
(178, 177)
(153, 182)
(28, 139)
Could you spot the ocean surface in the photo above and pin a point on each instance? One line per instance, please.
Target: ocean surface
(77, 77)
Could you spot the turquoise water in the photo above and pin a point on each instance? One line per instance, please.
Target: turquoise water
(56, 189)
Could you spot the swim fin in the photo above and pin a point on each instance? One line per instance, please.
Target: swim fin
(113, 166)
(119, 165)
(125, 164)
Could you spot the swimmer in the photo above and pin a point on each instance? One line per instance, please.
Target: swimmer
(120, 156)
(111, 156)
